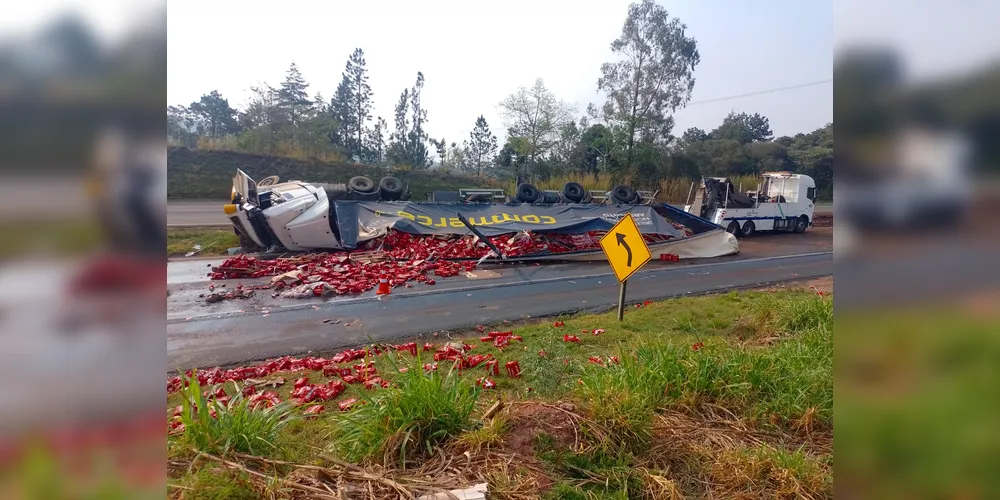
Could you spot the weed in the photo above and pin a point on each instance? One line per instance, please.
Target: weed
(770, 472)
(489, 435)
(622, 400)
(421, 411)
(235, 426)
(213, 483)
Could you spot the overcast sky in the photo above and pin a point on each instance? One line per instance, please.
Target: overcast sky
(473, 54)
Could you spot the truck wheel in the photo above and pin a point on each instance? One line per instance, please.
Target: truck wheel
(526, 193)
(734, 229)
(361, 184)
(573, 191)
(801, 224)
(749, 228)
(390, 188)
(623, 194)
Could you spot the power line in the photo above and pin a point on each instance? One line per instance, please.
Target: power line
(762, 92)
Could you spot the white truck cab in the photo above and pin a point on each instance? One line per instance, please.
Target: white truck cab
(783, 201)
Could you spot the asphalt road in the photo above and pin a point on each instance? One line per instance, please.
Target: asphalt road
(209, 213)
(200, 334)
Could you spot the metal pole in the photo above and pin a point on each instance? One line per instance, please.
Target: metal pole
(687, 201)
(621, 301)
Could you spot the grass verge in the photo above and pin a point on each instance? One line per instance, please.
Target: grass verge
(213, 241)
(718, 396)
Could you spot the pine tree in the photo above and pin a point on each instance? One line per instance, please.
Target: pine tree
(418, 153)
(376, 149)
(292, 96)
(399, 146)
(360, 104)
(340, 109)
(482, 145)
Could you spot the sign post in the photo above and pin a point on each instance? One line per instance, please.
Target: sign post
(627, 252)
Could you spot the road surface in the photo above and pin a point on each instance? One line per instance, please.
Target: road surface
(209, 213)
(200, 334)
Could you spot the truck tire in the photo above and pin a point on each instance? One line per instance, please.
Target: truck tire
(526, 193)
(573, 191)
(749, 228)
(734, 229)
(361, 185)
(801, 224)
(390, 188)
(623, 194)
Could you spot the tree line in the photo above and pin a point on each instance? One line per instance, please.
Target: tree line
(628, 137)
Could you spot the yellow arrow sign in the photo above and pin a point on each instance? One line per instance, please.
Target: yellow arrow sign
(625, 248)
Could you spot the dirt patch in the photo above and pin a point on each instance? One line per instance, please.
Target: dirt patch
(822, 285)
(823, 220)
(530, 420)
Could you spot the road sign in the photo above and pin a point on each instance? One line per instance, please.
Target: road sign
(626, 251)
(625, 248)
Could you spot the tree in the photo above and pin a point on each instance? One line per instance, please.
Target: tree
(358, 106)
(398, 146)
(536, 116)
(599, 149)
(481, 146)
(292, 95)
(341, 110)
(214, 112)
(182, 126)
(376, 150)
(418, 154)
(567, 153)
(744, 128)
(653, 77)
(511, 161)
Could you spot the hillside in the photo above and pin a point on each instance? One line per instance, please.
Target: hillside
(198, 174)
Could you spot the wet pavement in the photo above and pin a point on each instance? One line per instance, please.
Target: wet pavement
(200, 334)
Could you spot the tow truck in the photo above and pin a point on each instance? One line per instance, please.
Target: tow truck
(783, 201)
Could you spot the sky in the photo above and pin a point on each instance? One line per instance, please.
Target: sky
(474, 54)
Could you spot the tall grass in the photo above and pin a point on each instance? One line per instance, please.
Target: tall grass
(236, 427)
(787, 382)
(415, 415)
(679, 190)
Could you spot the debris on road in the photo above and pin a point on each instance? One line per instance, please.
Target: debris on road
(238, 293)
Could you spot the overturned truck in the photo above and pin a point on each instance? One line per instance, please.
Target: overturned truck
(474, 224)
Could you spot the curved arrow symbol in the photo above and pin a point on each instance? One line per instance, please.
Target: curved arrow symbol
(621, 242)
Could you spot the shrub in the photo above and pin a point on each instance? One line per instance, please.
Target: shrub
(236, 425)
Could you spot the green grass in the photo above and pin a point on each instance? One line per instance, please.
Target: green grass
(58, 237)
(767, 360)
(235, 427)
(413, 417)
(213, 241)
(215, 484)
(917, 410)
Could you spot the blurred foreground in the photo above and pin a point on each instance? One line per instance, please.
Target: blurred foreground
(918, 299)
(82, 200)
